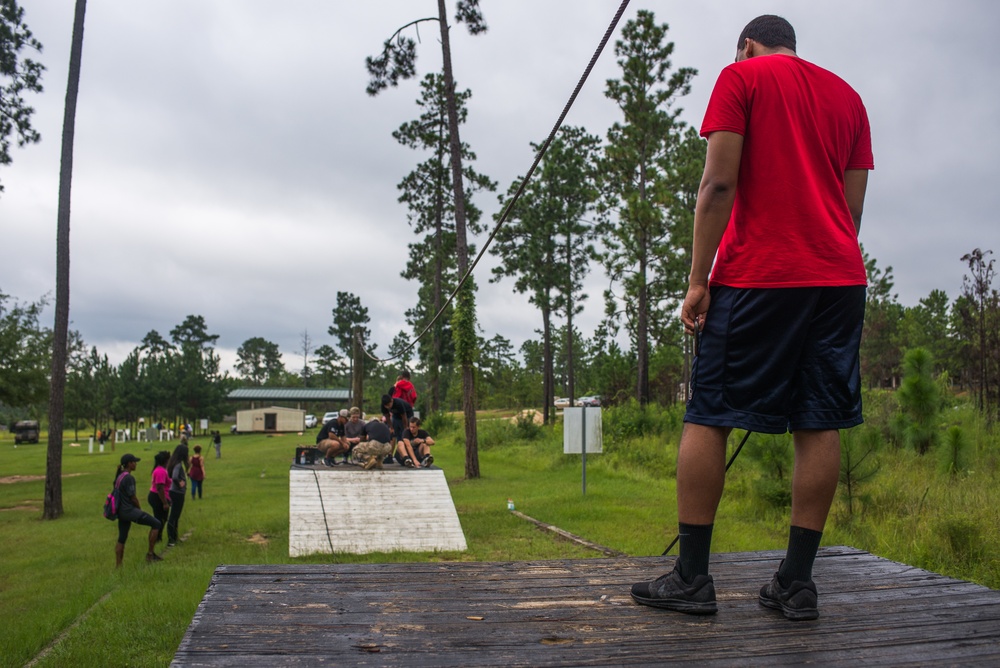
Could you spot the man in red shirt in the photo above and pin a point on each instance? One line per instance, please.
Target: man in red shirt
(779, 322)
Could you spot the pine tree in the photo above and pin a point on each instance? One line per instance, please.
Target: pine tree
(17, 76)
(60, 330)
(398, 61)
(637, 184)
(426, 191)
(547, 242)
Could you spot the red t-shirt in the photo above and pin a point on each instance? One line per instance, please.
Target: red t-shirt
(802, 127)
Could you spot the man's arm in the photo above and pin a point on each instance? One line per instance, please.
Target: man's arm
(716, 195)
(855, 186)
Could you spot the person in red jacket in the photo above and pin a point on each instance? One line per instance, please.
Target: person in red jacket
(403, 389)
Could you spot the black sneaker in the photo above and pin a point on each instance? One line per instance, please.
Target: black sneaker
(671, 592)
(427, 461)
(797, 601)
(408, 463)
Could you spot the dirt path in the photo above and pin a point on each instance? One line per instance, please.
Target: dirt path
(6, 480)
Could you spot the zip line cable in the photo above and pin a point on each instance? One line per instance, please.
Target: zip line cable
(517, 194)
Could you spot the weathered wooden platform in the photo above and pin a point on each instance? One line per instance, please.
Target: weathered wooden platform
(347, 509)
(579, 613)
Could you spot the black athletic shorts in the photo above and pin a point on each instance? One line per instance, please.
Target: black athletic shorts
(139, 517)
(779, 359)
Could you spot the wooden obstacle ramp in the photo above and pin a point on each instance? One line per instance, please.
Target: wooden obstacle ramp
(349, 510)
(578, 613)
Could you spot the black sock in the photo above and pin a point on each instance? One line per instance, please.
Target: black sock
(695, 548)
(802, 547)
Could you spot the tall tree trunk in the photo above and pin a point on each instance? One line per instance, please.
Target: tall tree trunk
(642, 319)
(436, 335)
(570, 386)
(461, 245)
(548, 381)
(642, 337)
(53, 507)
(357, 381)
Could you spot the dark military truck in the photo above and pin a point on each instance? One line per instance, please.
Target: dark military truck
(25, 431)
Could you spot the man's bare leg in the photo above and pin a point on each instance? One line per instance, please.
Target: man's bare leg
(701, 472)
(814, 481)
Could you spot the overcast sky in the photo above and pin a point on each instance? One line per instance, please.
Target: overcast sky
(229, 164)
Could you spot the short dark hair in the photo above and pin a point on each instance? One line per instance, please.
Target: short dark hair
(770, 31)
(404, 374)
(386, 399)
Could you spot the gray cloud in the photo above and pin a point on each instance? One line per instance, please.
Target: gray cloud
(229, 163)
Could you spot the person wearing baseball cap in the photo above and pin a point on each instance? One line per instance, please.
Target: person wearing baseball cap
(130, 511)
(332, 440)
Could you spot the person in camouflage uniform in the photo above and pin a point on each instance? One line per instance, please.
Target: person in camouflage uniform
(377, 443)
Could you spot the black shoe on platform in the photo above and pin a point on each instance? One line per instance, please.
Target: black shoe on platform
(797, 601)
(671, 592)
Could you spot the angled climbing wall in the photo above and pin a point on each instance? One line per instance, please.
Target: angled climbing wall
(348, 509)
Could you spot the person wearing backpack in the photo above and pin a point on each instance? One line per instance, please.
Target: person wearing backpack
(177, 467)
(130, 511)
(197, 472)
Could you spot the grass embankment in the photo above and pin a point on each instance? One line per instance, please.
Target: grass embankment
(58, 581)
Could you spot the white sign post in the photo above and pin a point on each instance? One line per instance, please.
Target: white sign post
(582, 431)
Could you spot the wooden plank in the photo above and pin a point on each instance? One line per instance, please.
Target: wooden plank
(349, 510)
(578, 612)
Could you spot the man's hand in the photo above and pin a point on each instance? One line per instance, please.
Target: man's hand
(695, 307)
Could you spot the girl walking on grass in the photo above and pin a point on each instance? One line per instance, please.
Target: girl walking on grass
(197, 472)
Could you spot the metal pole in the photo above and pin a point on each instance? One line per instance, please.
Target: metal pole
(583, 431)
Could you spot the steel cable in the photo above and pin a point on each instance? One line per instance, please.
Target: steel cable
(506, 211)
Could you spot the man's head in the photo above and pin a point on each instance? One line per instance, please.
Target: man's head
(404, 375)
(769, 32)
(386, 401)
(355, 414)
(414, 423)
(343, 415)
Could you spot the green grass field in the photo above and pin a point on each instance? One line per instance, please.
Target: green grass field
(61, 596)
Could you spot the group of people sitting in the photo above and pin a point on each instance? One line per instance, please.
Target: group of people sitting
(373, 443)
(395, 436)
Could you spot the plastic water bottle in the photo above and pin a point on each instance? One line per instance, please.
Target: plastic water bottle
(510, 504)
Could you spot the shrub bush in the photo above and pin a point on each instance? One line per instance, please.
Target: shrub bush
(440, 423)
(525, 427)
(953, 452)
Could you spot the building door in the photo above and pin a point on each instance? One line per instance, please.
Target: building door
(270, 421)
